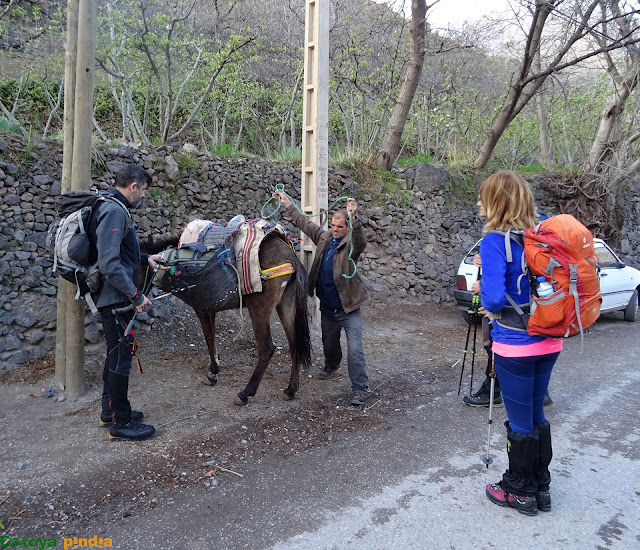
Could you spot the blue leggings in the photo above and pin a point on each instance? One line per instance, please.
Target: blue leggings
(523, 382)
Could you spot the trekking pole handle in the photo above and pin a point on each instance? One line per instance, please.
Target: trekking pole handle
(122, 310)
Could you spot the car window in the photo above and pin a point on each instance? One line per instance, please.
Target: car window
(468, 259)
(606, 258)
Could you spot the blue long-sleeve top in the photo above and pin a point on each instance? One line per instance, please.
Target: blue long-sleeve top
(500, 278)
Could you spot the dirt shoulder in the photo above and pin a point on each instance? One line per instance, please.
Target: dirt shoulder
(60, 470)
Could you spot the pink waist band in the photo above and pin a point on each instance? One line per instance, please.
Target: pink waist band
(546, 346)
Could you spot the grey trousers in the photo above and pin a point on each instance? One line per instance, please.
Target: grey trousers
(332, 322)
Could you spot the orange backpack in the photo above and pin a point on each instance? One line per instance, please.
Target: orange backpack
(561, 249)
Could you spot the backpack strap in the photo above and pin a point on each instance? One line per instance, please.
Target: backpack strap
(573, 291)
(129, 221)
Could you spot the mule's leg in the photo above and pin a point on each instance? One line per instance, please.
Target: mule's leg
(261, 306)
(208, 322)
(287, 312)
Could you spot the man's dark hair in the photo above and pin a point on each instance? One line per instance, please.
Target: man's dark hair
(131, 173)
(342, 212)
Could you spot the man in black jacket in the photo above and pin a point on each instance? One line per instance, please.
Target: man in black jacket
(119, 259)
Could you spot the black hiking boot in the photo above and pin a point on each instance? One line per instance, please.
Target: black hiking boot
(134, 431)
(106, 418)
(358, 399)
(326, 374)
(548, 402)
(481, 397)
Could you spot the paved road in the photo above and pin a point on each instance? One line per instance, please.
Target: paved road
(417, 481)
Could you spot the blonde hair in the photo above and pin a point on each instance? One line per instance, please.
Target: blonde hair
(508, 201)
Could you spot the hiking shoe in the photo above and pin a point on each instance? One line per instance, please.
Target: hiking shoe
(548, 402)
(524, 504)
(358, 399)
(543, 499)
(326, 374)
(481, 398)
(133, 431)
(106, 418)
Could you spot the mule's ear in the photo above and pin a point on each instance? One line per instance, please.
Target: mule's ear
(150, 246)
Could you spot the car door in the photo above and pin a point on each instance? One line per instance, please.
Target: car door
(614, 283)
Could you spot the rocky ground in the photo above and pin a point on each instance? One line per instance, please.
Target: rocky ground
(60, 470)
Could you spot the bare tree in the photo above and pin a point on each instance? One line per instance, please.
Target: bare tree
(390, 146)
(608, 140)
(528, 81)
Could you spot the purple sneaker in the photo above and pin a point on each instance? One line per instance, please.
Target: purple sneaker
(524, 504)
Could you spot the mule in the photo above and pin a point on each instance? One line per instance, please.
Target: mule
(287, 294)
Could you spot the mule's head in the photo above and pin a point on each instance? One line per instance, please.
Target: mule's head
(153, 247)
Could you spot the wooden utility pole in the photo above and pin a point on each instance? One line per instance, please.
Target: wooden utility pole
(315, 120)
(65, 288)
(77, 173)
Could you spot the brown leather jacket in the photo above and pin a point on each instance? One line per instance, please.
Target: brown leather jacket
(353, 293)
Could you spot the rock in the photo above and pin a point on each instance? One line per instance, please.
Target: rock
(430, 178)
(42, 179)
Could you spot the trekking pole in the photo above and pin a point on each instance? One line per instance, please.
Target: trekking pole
(475, 302)
(474, 320)
(488, 460)
(120, 311)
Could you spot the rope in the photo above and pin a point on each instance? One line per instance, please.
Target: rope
(280, 187)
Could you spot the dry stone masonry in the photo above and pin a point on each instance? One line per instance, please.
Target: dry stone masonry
(415, 242)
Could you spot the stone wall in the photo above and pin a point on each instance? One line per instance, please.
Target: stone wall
(416, 240)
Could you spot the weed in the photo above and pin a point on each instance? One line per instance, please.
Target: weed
(186, 161)
(289, 155)
(530, 169)
(7, 127)
(422, 157)
(223, 150)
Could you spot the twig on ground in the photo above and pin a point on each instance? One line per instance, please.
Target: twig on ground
(452, 366)
(230, 471)
(190, 417)
(371, 406)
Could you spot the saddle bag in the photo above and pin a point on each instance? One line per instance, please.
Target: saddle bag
(203, 277)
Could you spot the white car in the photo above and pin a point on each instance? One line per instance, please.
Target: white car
(619, 283)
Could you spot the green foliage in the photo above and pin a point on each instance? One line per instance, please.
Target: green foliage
(27, 157)
(530, 169)
(7, 127)
(415, 159)
(288, 155)
(223, 150)
(187, 162)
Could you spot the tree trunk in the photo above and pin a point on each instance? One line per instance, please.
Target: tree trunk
(624, 86)
(543, 119)
(391, 141)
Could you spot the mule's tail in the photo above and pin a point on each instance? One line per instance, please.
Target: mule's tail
(301, 334)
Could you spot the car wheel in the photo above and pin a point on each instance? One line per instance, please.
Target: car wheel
(631, 310)
(467, 317)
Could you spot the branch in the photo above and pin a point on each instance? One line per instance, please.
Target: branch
(54, 108)
(213, 78)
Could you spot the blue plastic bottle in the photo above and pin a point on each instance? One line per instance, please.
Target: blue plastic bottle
(544, 288)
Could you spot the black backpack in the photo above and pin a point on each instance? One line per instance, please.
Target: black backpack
(72, 246)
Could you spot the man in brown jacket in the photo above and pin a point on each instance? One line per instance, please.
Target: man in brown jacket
(340, 293)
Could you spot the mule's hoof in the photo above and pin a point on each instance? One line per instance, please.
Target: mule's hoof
(288, 397)
(237, 400)
(212, 379)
